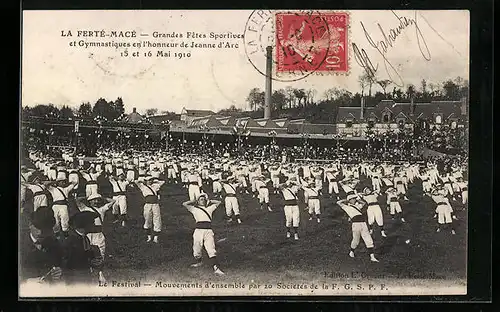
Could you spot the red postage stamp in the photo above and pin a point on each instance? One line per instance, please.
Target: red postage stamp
(312, 42)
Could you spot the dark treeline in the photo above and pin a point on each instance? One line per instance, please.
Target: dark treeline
(304, 103)
(289, 102)
(101, 110)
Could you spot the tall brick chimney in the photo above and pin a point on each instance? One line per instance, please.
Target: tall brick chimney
(362, 113)
(134, 110)
(268, 90)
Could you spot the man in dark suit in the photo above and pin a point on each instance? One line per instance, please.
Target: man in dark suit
(80, 257)
(41, 253)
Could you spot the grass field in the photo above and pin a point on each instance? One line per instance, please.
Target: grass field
(258, 248)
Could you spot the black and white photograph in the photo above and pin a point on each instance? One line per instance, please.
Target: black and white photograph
(244, 153)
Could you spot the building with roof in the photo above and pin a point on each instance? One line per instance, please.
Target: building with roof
(134, 117)
(205, 122)
(227, 121)
(163, 118)
(393, 116)
(188, 115)
(258, 127)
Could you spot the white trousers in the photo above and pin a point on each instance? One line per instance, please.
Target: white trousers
(161, 167)
(400, 188)
(276, 182)
(243, 181)
(395, 207)
(376, 185)
(448, 188)
(292, 216)
(444, 214)
(232, 205)
(152, 217)
(194, 192)
(216, 187)
(314, 206)
(333, 187)
(375, 215)
(426, 186)
(254, 188)
(39, 201)
(120, 205)
(264, 195)
(360, 230)
(62, 218)
(203, 238)
(98, 240)
(171, 173)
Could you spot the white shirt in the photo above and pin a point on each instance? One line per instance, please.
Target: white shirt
(146, 190)
(290, 192)
(274, 172)
(230, 188)
(215, 176)
(311, 192)
(90, 176)
(261, 183)
(35, 188)
(351, 210)
(194, 177)
(118, 186)
(371, 198)
(57, 192)
(199, 214)
(391, 195)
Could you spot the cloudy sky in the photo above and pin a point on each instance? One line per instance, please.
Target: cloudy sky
(55, 72)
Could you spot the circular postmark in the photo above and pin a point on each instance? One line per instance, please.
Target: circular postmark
(299, 40)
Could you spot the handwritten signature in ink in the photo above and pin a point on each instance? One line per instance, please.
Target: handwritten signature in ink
(383, 46)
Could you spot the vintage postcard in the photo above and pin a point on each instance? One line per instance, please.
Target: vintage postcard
(244, 153)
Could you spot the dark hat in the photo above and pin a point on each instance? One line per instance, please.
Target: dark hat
(83, 219)
(43, 218)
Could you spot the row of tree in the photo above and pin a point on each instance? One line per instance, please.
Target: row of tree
(282, 98)
(301, 103)
(288, 102)
(102, 109)
(451, 89)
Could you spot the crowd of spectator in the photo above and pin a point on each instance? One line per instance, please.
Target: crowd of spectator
(385, 146)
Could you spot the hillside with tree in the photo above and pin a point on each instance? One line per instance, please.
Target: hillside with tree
(304, 103)
(288, 102)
